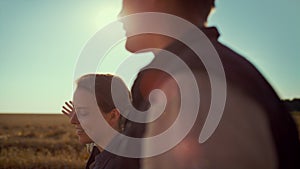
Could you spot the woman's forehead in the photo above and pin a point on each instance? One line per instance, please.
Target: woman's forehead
(83, 97)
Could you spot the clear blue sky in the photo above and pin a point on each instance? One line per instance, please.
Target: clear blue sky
(40, 42)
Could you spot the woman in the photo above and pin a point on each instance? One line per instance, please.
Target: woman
(83, 138)
(90, 88)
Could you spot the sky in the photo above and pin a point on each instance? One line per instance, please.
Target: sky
(40, 42)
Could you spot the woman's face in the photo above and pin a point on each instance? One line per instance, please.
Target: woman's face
(87, 111)
(82, 136)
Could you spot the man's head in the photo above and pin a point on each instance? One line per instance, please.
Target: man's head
(93, 93)
(194, 11)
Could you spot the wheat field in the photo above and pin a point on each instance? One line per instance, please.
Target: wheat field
(31, 141)
(39, 141)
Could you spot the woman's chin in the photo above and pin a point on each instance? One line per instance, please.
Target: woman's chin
(84, 140)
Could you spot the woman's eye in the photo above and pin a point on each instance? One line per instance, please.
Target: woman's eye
(82, 113)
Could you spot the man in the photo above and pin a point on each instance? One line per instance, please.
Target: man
(255, 131)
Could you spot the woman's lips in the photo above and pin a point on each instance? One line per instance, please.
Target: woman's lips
(80, 131)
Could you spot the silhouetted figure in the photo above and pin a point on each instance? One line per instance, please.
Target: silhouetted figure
(255, 131)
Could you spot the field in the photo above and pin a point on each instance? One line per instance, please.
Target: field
(39, 141)
(44, 141)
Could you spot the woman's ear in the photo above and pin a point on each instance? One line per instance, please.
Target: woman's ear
(115, 114)
(113, 118)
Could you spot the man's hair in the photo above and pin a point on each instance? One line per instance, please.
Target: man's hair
(204, 7)
(101, 86)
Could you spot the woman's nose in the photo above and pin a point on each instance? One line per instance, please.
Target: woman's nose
(74, 119)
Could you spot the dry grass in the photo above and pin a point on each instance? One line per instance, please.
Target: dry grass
(39, 141)
(44, 141)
